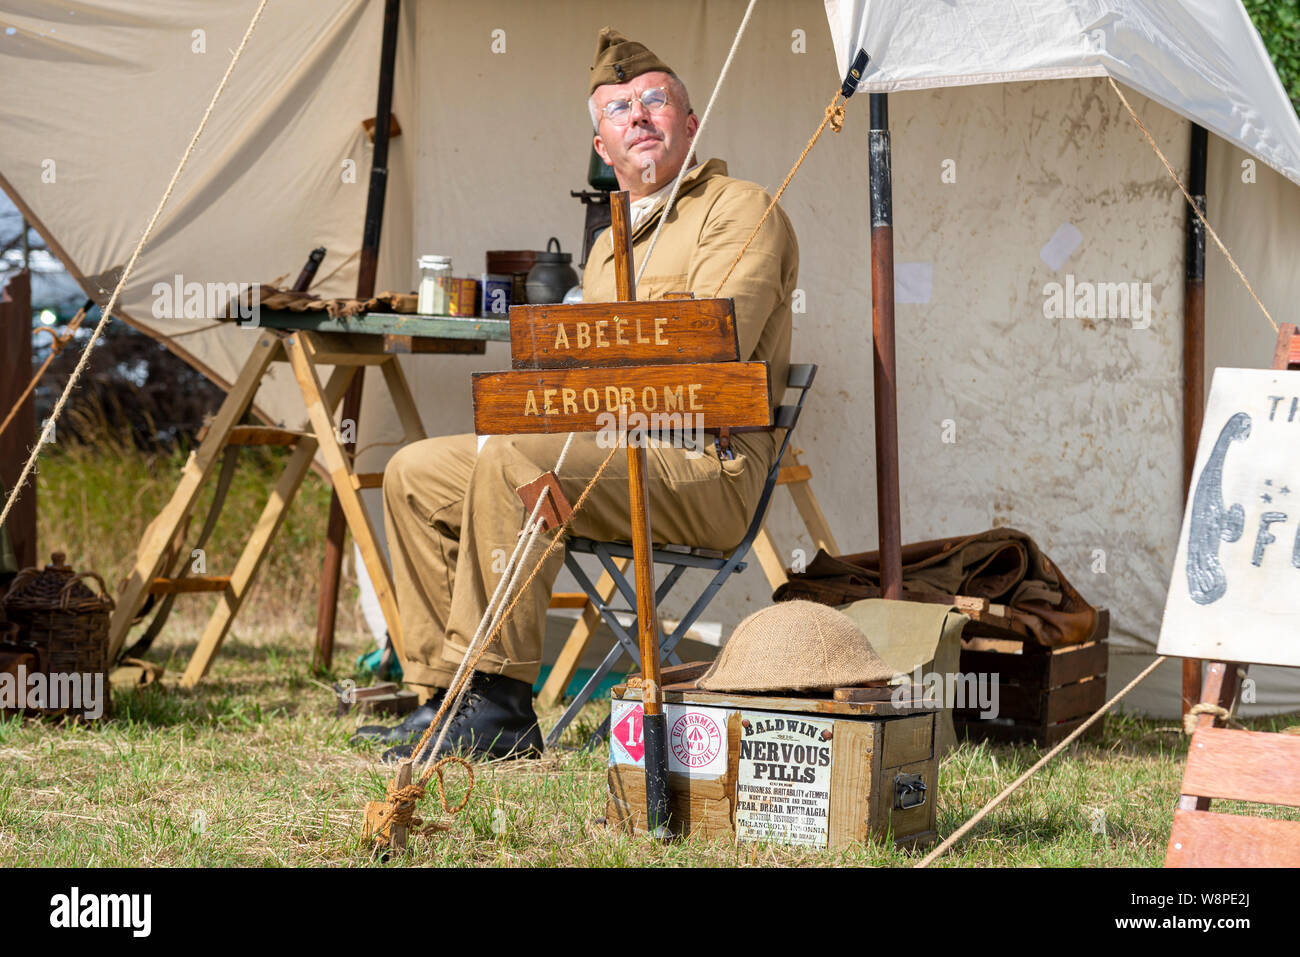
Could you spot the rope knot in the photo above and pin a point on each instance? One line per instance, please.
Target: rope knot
(835, 113)
(402, 802)
(1189, 719)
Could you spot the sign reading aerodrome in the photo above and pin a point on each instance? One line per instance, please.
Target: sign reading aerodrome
(1238, 562)
(713, 395)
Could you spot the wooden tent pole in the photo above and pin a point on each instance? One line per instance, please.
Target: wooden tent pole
(1194, 353)
(16, 442)
(882, 330)
(327, 606)
(654, 722)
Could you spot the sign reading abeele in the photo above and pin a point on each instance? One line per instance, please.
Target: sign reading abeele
(783, 785)
(1237, 571)
(623, 334)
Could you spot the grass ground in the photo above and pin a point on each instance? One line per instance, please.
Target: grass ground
(253, 768)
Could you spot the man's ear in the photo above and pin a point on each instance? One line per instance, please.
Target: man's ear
(600, 149)
(692, 125)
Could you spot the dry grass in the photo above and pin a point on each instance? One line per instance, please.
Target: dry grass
(252, 768)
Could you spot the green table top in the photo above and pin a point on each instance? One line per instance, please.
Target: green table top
(390, 323)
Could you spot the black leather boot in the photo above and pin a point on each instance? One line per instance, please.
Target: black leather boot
(496, 720)
(412, 726)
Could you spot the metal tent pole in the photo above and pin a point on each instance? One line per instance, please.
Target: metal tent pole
(330, 567)
(882, 331)
(1194, 353)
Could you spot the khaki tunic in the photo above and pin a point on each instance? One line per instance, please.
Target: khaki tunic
(451, 511)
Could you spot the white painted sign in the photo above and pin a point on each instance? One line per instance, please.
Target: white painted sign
(1232, 596)
(697, 738)
(783, 788)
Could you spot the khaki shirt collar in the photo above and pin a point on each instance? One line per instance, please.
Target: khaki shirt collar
(603, 251)
(693, 177)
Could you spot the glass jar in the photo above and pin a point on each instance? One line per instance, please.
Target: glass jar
(433, 300)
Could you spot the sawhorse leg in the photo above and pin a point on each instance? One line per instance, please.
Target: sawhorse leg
(259, 541)
(300, 349)
(162, 531)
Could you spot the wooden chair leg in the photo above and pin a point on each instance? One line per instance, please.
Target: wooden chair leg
(341, 474)
(566, 665)
(770, 559)
(154, 545)
(811, 512)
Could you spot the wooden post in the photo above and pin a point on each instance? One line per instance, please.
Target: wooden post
(397, 833)
(17, 440)
(654, 721)
(883, 366)
(327, 606)
(1194, 353)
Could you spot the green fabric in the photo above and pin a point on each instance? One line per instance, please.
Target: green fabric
(910, 635)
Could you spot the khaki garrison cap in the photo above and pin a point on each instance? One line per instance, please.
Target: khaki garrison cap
(619, 59)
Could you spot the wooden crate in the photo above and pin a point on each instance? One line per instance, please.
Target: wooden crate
(861, 752)
(1043, 693)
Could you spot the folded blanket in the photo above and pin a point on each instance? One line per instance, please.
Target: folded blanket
(1002, 565)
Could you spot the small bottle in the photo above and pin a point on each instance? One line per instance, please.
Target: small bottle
(433, 300)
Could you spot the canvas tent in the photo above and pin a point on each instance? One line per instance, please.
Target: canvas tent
(1069, 429)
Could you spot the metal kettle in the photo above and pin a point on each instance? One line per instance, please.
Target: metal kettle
(552, 275)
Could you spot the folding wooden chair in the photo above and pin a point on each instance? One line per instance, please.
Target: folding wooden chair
(678, 558)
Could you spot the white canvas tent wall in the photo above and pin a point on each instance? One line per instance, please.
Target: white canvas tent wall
(1069, 430)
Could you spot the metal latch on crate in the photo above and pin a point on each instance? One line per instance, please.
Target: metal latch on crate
(909, 791)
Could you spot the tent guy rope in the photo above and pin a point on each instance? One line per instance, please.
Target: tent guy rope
(468, 664)
(1006, 792)
(493, 613)
(1192, 203)
(835, 117)
(130, 265)
(690, 153)
(1198, 709)
(497, 612)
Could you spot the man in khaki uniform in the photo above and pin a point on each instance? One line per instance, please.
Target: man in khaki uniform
(450, 507)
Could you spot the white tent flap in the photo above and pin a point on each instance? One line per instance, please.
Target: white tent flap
(1200, 58)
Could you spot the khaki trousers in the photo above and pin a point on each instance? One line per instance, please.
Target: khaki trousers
(453, 518)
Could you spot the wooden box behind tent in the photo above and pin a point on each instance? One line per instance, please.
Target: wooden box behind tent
(817, 772)
(1043, 693)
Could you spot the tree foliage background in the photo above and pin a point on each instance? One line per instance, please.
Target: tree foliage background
(1278, 22)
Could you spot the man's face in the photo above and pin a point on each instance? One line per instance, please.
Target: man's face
(648, 150)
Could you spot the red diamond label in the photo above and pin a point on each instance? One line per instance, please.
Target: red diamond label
(628, 733)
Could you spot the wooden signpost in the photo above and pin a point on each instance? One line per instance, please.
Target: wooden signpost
(1231, 601)
(630, 368)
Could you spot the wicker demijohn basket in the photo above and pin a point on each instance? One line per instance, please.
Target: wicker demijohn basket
(54, 615)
